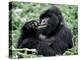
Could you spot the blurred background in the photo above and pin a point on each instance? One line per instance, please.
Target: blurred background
(21, 12)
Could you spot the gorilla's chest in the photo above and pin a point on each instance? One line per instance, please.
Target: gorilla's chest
(49, 40)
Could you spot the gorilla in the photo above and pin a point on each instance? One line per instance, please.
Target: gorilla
(50, 36)
(28, 35)
(54, 33)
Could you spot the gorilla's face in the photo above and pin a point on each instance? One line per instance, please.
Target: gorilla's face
(43, 26)
(50, 20)
(48, 23)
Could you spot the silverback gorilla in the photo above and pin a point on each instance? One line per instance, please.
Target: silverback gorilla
(50, 36)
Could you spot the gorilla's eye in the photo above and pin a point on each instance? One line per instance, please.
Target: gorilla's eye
(43, 21)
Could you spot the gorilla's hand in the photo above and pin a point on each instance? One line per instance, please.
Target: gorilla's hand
(28, 30)
(32, 24)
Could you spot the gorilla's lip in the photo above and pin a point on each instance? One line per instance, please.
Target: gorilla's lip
(42, 26)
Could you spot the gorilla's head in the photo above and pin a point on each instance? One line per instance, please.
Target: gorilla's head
(50, 20)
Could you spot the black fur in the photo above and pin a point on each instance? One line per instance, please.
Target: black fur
(28, 33)
(54, 39)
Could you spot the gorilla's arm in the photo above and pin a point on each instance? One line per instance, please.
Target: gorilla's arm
(20, 40)
(28, 30)
(28, 43)
(44, 49)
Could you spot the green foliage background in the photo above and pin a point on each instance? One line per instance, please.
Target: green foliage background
(26, 11)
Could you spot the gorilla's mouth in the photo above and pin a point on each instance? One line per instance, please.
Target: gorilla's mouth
(43, 29)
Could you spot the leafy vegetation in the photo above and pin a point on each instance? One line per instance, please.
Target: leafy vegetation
(26, 11)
